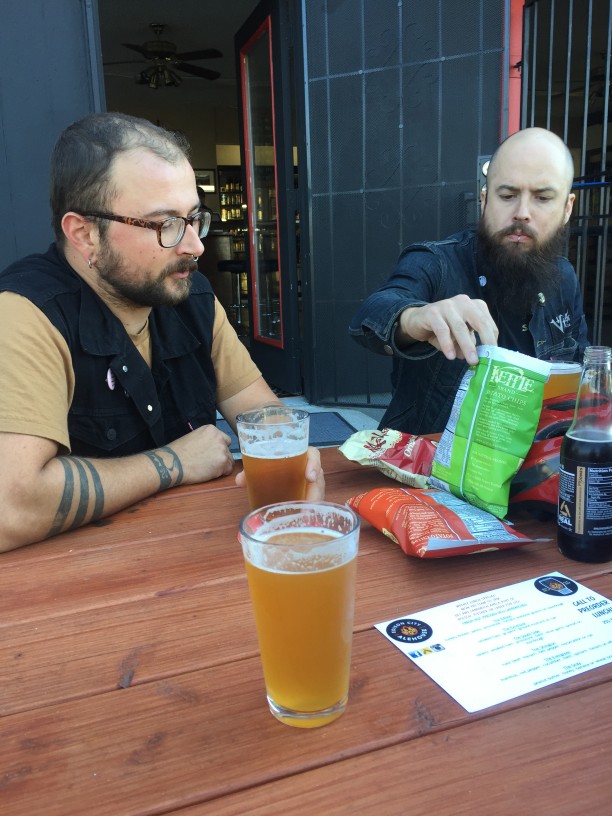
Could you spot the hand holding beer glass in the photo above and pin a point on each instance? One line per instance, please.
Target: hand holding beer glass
(274, 445)
(301, 563)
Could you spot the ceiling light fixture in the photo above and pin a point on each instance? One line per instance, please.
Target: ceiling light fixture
(157, 75)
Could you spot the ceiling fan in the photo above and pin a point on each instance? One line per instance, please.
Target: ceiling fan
(166, 61)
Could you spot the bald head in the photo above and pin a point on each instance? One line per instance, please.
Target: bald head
(526, 208)
(528, 200)
(535, 146)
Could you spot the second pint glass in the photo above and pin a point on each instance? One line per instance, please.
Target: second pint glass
(274, 444)
(301, 563)
(564, 379)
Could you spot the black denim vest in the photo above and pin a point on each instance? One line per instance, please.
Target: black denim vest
(120, 405)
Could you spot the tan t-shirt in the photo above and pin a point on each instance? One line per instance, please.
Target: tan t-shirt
(37, 378)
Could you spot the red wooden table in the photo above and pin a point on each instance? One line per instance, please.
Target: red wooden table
(130, 682)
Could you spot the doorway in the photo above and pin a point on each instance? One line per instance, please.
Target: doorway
(176, 66)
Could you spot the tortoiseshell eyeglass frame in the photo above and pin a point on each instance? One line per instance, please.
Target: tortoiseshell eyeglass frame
(203, 216)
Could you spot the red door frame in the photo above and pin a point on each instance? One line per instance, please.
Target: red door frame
(514, 76)
(249, 150)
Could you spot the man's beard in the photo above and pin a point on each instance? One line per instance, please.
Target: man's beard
(516, 277)
(152, 293)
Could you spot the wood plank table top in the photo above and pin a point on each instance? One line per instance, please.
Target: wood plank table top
(130, 681)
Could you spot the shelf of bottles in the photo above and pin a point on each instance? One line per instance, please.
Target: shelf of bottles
(231, 200)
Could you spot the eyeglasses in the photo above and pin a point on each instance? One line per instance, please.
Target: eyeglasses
(170, 231)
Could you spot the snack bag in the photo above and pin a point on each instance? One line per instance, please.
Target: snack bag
(434, 523)
(404, 457)
(536, 485)
(491, 428)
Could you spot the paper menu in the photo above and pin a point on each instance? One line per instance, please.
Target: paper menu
(492, 647)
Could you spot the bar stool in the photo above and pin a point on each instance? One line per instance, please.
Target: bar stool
(237, 270)
(270, 312)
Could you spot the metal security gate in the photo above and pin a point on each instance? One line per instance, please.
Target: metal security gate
(566, 88)
(400, 98)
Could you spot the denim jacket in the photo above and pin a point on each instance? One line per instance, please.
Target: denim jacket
(424, 382)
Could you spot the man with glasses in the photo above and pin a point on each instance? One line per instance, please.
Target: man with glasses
(116, 353)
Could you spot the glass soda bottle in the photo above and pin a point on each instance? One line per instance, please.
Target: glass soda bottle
(584, 516)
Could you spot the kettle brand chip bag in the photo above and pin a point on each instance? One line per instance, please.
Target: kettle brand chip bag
(491, 427)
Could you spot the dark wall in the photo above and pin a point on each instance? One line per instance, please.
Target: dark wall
(401, 99)
(45, 83)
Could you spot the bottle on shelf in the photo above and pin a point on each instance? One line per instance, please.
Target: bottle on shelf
(584, 517)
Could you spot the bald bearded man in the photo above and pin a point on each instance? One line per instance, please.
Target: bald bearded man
(506, 283)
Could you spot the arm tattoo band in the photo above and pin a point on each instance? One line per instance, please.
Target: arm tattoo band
(98, 489)
(81, 510)
(82, 495)
(66, 500)
(166, 473)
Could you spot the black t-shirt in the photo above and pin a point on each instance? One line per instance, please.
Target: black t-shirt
(513, 327)
(514, 333)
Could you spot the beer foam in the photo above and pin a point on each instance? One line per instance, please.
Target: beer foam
(299, 550)
(558, 367)
(300, 537)
(274, 447)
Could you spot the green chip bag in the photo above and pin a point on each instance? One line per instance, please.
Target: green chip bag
(491, 428)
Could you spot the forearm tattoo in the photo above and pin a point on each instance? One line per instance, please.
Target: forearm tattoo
(82, 500)
(171, 474)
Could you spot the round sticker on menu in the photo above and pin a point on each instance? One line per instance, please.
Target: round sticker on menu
(409, 630)
(556, 585)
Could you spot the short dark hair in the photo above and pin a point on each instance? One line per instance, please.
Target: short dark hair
(82, 160)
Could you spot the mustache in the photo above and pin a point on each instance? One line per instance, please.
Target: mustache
(516, 229)
(182, 266)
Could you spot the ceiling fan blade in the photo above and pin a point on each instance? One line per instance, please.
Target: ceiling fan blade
(139, 48)
(124, 62)
(205, 73)
(206, 53)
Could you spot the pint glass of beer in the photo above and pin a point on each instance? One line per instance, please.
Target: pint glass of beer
(301, 563)
(564, 378)
(273, 444)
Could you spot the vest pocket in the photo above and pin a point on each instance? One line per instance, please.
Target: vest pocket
(107, 434)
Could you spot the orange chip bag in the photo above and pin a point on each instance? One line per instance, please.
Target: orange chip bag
(434, 523)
